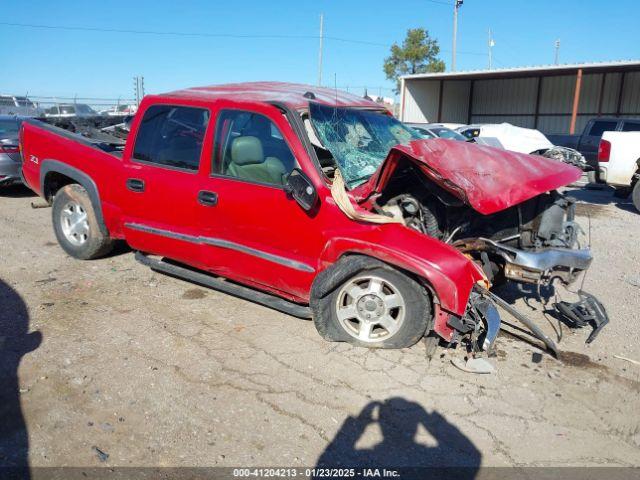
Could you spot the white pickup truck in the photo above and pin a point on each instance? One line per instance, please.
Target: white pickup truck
(619, 163)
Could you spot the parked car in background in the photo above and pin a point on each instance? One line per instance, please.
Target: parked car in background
(317, 203)
(619, 163)
(588, 141)
(10, 163)
(523, 140)
(120, 110)
(430, 130)
(62, 110)
(12, 105)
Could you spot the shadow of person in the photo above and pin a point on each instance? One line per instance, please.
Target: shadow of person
(15, 342)
(399, 421)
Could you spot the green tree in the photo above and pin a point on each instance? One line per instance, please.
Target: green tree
(418, 54)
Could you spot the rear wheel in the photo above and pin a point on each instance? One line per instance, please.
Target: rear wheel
(635, 196)
(377, 308)
(76, 226)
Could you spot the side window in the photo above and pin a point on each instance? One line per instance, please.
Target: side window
(171, 136)
(599, 127)
(250, 147)
(631, 127)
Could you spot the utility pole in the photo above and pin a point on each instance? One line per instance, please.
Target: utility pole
(456, 6)
(557, 43)
(138, 88)
(320, 50)
(491, 45)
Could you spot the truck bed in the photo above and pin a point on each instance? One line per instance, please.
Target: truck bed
(106, 133)
(73, 150)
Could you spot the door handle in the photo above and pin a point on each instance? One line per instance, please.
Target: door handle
(208, 199)
(135, 184)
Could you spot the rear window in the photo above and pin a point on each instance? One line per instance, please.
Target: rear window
(424, 132)
(601, 126)
(67, 109)
(448, 134)
(9, 128)
(84, 109)
(631, 127)
(24, 102)
(171, 136)
(7, 102)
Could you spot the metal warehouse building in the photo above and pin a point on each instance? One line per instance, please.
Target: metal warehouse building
(553, 99)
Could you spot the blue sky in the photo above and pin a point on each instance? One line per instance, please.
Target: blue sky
(100, 64)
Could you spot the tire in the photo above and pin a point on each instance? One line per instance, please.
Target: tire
(635, 196)
(76, 225)
(398, 306)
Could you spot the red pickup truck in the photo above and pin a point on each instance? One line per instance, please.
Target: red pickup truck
(318, 203)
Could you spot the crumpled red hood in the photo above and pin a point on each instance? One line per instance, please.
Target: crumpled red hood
(488, 179)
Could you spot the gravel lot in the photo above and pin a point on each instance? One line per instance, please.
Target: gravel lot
(114, 359)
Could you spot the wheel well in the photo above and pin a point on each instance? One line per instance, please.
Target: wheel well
(360, 262)
(53, 182)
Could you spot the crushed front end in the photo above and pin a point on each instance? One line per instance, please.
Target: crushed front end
(535, 241)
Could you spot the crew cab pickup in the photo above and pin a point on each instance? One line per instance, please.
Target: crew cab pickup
(619, 161)
(317, 203)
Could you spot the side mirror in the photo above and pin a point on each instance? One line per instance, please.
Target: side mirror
(301, 189)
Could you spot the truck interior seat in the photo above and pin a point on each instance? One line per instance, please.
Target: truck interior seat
(249, 163)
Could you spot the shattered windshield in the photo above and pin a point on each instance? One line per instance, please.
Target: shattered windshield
(359, 140)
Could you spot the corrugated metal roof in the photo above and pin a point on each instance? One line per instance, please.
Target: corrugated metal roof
(532, 70)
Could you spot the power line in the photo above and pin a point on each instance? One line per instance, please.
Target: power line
(206, 35)
(440, 2)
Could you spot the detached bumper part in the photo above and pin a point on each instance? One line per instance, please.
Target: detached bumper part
(537, 332)
(535, 266)
(587, 310)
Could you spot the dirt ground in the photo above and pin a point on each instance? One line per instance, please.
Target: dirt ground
(120, 366)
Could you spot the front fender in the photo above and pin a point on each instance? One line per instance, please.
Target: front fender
(450, 274)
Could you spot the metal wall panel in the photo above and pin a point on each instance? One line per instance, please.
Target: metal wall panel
(517, 95)
(560, 123)
(455, 101)
(518, 120)
(421, 101)
(589, 93)
(556, 95)
(610, 94)
(631, 93)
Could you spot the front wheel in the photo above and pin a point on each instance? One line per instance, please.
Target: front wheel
(76, 226)
(377, 308)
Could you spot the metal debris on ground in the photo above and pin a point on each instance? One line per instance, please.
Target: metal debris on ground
(474, 365)
(102, 456)
(587, 310)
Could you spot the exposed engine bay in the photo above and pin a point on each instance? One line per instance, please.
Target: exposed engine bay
(531, 242)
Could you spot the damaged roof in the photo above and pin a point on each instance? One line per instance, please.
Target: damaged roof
(290, 94)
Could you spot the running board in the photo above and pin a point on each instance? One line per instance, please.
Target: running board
(225, 286)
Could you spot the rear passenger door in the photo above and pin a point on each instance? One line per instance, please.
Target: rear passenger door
(162, 181)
